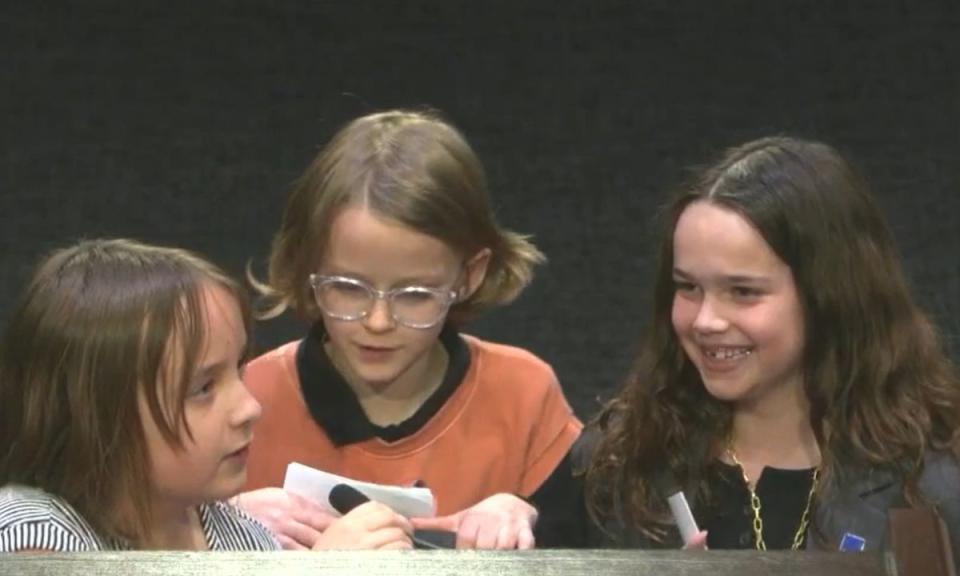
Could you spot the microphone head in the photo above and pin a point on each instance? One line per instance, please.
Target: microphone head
(344, 498)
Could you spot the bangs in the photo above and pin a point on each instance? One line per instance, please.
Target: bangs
(174, 341)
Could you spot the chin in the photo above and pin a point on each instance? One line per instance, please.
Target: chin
(378, 377)
(228, 487)
(725, 390)
(722, 394)
(379, 384)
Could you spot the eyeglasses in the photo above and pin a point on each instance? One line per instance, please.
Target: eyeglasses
(349, 299)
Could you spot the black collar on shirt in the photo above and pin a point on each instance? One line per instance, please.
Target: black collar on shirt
(335, 407)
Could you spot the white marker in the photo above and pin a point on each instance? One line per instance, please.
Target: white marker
(683, 517)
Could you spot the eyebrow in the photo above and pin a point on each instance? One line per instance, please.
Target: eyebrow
(730, 279)
(209, 370)
(426, 279)
(214, 367)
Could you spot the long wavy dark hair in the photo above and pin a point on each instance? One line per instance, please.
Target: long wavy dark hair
(880, 386)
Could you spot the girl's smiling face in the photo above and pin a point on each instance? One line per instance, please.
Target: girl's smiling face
(736, 311)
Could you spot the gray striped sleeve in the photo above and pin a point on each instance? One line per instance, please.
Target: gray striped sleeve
(230, 528)
(31, 519)
(40, 536)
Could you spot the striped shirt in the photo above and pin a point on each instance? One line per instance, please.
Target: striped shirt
(31, 519)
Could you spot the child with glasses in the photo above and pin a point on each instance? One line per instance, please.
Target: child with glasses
(387, 248)
(124, 422)
(788, 382)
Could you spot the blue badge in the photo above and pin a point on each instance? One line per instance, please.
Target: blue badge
(852, 543)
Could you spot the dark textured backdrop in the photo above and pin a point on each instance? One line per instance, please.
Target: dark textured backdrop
(185, 122)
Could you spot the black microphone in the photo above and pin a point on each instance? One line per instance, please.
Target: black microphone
(345, 498)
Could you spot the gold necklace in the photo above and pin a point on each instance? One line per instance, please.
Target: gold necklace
(755, 505)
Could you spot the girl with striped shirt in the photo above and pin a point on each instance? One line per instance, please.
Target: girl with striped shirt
(124, 423)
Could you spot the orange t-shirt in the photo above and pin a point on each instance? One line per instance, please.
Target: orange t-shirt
(504, 429)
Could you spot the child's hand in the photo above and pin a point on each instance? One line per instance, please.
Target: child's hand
(369, 526)
(296, 521)
(698, 542)
(502, 521)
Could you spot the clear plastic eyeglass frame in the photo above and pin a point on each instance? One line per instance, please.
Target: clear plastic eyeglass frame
(446, 297)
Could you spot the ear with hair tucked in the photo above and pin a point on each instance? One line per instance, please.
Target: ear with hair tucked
(476, 268)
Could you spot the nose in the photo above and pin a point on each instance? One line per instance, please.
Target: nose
(380, 318)
(247, 409)
(710, 317)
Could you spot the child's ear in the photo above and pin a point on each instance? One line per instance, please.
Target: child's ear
(476, 268)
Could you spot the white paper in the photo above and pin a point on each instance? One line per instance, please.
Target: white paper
(316, 485)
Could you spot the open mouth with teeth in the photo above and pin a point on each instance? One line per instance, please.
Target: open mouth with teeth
(727, 353)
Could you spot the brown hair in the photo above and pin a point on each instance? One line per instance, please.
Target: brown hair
(880, 386)
(411, 167)
(91, 334)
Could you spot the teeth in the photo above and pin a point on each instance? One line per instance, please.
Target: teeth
(728, 353)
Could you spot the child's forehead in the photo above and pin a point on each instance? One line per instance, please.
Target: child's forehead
(214, 324)
(716, 240)
(712, 225)
(366, 243)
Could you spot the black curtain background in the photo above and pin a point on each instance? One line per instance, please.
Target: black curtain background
(184, 123)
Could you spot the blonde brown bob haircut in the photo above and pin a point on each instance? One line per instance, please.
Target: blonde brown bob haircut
(93, 333)
(410, 167)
